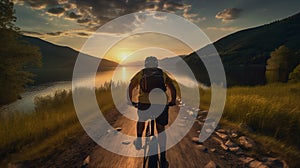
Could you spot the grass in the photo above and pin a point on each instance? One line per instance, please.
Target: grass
(272, 112)
(37, 134)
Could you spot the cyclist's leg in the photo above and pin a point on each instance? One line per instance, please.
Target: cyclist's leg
(161, 122)
(162, 145)
(142, 118)
(161, 139)
(140, 128)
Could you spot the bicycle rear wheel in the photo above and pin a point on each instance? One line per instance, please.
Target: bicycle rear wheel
(153, 161)
(146, 146)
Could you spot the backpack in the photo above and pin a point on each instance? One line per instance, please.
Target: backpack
(152, 78)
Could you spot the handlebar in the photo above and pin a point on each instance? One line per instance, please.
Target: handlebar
(135, 104)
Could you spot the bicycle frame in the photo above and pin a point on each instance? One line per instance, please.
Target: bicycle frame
(153, 161)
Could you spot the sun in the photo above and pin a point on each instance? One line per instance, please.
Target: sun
(123, 56)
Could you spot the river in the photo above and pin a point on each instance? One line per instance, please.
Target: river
(120, 74)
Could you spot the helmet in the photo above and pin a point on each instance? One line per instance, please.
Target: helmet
(151, 62)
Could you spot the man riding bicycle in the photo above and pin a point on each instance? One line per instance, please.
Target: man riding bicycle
(153, 100)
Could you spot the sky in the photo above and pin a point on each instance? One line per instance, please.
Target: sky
(72, 22)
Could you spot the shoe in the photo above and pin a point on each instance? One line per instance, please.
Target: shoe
(164, 163)
(138, 143)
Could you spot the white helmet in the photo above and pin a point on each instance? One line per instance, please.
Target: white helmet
(151, 62)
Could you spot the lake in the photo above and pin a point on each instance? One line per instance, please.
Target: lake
(120, 74)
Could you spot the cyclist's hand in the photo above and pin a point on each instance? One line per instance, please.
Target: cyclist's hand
(134, 104)
(171, 104)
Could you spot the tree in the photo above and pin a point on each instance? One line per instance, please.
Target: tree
(280, 64)
(295, 75)
(281, 59)
(15, 54)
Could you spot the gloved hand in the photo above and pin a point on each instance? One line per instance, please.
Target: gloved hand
(171, 103)
(134, 104)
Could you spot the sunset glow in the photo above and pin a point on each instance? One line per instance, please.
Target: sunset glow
(123, 56)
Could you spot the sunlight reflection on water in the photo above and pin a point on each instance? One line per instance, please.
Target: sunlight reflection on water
(120, 74)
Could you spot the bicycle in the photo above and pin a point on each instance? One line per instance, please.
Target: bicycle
(151, 161)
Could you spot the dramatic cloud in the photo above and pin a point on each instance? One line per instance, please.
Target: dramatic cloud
(192, 16)
(54, 33)
(225, 29)
(83, 34)
(73, 15)
(37, 4)
(160, 16)
(56, 11)
(70, 33)
(31, 33)
(83, 20)
(94, 13)
(229, 14)
(42, 35)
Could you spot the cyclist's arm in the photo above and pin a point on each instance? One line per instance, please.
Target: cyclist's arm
(130, 89)
(133, 84)
(170, 85)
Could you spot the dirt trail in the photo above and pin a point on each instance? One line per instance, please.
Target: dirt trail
(187, 153)
(184, 154)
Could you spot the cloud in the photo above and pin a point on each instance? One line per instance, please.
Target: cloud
(192, 17)
(54, 33)
(37, 4)
(31, 33)
(92, 14)
(73, 16)
(69, 33)
(160, 16)
(82, 34)
(123, 26)
(229, 14)
(225, 29)
(86, 20)
(56, 11)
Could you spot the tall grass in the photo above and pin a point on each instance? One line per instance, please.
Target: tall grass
(272, 110)
(33, 135)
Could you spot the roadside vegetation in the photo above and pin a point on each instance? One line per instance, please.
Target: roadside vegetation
(49, 128)
(272, 115)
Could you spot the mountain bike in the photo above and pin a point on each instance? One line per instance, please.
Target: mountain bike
(151, 145)
(150, 161)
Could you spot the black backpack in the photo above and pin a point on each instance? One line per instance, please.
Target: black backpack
(152, 78)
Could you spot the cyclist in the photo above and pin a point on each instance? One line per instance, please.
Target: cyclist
(153, 81)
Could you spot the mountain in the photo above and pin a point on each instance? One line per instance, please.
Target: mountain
(58, 61)
(251, 48)
(134, 63)
(169, 61)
